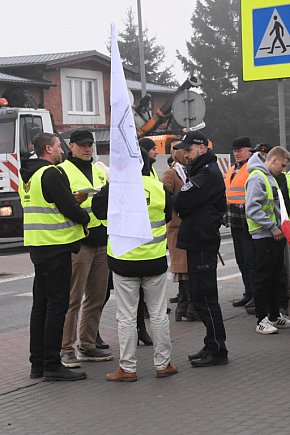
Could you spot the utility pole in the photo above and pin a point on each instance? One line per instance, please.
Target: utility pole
(141, 50)
(281, 103)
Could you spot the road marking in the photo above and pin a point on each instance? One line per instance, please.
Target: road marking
(16, 278)
(25, 294)
(5, 293)
(224, 278)
(227, 242)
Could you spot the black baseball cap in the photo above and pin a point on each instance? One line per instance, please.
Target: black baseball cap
(191, 138)
(81, 137)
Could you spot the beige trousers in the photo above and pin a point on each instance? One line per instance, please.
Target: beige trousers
(127, 297)
(88, 291)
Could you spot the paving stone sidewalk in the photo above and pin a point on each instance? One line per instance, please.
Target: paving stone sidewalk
(248, 396)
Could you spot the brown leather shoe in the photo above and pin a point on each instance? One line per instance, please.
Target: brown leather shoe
(171, 369)
(121, 376)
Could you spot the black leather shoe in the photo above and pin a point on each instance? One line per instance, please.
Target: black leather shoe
(100, 344)
(241, 303)
(197, 355)
(209, 360)
(63, 374)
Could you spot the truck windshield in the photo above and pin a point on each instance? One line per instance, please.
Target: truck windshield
(7, 136)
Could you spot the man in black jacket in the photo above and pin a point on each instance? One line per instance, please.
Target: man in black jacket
(201, 204)
(53, 228)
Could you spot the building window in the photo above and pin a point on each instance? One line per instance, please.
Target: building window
(82, 96)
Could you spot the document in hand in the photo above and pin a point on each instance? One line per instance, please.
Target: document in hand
(89, 190)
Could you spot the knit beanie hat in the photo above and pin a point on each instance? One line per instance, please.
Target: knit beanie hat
(147, 143)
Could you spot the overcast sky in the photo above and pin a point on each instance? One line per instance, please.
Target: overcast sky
(51, 26)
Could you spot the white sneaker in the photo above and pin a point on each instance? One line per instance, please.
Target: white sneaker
(281, 322)
(266, 327)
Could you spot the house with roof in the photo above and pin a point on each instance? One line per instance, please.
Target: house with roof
(74, 87)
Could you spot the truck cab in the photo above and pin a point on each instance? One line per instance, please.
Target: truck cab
(18, 126)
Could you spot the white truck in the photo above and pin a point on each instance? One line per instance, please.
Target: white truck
(18, 126)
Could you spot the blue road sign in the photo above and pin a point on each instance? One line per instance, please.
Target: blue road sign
(271, 34)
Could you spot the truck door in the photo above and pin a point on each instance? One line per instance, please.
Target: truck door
(29, 127)
(10, 208)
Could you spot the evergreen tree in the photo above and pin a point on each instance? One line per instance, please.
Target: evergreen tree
(234, 107)
(214, 46)
(154, 54)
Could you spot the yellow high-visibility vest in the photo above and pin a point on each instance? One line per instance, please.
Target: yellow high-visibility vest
(156, 248)
(42, 221)
(268, 206)
(78, 180)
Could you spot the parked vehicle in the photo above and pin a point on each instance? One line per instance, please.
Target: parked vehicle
(18, 126)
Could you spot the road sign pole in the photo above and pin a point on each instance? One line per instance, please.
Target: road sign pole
(281, 103)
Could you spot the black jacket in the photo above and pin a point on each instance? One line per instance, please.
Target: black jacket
(55, 190)
(97, 235)
(201, 204)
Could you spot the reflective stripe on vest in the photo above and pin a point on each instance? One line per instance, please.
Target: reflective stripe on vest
(42, 221)
(235, 189)
(268, 207)
(78, 180)
(156, 248)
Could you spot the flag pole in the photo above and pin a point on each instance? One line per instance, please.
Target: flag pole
(141, 51)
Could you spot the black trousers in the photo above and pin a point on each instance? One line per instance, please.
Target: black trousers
(244, 253)
(51, 289)
(269, 268)
(202, 265)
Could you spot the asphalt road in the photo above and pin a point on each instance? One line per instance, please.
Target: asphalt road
(16, 290)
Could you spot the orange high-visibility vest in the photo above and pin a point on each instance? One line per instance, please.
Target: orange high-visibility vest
(235, 189)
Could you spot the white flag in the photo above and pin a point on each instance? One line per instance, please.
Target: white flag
(128, 219)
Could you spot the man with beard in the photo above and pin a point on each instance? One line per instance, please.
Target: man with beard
(54, 224)
(201, 204)
(150, 146)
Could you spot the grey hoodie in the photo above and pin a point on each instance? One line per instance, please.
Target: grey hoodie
(256, 196)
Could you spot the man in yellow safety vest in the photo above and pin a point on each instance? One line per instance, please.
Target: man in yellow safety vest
(54, 224)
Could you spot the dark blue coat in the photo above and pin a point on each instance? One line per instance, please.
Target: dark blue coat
(201, 204)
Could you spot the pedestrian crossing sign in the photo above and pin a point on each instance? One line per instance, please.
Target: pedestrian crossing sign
(265, 39)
